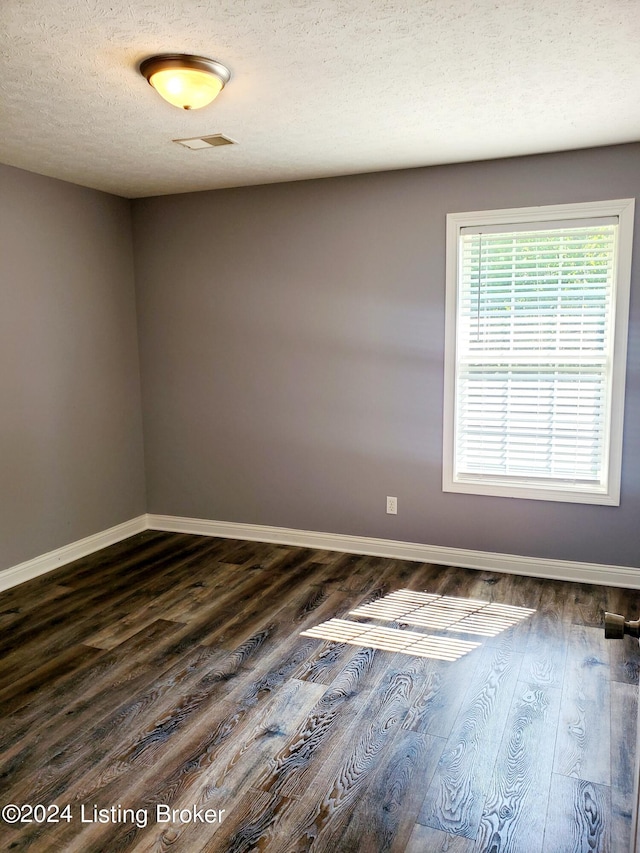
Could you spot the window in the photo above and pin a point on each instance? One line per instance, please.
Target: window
(535, 355)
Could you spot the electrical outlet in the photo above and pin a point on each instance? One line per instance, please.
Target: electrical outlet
(392, 506)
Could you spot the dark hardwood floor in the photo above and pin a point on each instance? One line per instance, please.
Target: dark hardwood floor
(171, 672)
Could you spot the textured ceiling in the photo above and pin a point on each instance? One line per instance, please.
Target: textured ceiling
(318, 88)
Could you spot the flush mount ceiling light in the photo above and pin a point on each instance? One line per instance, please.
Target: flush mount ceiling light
(188, 82)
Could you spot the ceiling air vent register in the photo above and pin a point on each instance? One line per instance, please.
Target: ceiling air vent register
(199, 143)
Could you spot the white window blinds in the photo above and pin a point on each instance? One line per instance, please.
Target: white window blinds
(534, 353)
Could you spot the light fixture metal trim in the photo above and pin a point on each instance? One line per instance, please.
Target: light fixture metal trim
(166, 61)
(183, 62)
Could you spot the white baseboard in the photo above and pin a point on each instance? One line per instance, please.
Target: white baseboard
(67, 554)
(564, 570)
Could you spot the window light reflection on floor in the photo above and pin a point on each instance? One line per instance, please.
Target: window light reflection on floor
(391, 639)
(422, 610)
(445, 612)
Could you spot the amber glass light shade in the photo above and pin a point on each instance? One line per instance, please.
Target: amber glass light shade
(187, 82)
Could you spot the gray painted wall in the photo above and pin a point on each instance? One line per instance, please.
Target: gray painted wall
(291, 343)
(71, 460)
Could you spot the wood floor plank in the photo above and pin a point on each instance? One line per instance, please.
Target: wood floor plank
(583, 743)
(513, 817)
(15, 608)
(354, 573)
(624, 716)
(23, 690)
(241, 761)
(324, 662)
(437, 704)
(623, 660)
(251, 825)
(384, 817)
(262, 554)
(456, 796)
(521, 592)
(546, 650)
(578, 818)
(425, 839)
(586, 604)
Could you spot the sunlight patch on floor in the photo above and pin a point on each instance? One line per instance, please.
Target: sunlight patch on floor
(444, 613)
(391, 639)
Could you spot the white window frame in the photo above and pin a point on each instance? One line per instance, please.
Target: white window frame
(607, 492)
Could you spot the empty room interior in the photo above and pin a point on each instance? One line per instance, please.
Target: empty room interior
(319, 426)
